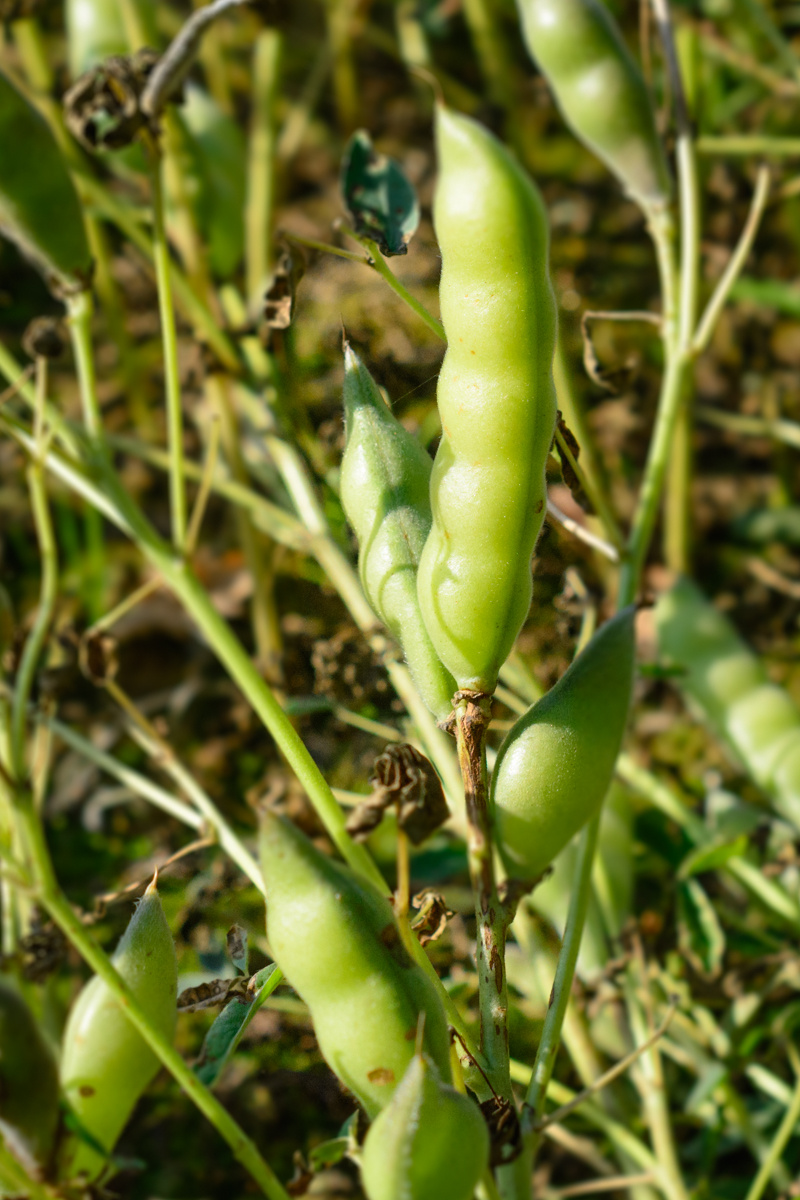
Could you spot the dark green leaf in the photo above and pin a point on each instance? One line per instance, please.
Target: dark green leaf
(700, 934)
(225, 1034)
(381, 202)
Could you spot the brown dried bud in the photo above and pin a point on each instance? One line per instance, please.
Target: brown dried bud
(432, 916)
(280, 295)
(102, 108)
(412, 784)
(44, 338)
(97, 657)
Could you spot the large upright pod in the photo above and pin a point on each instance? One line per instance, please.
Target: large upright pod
(496, 401)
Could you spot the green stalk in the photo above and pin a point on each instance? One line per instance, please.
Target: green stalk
(48, 593)
(786, 1129)
(177, 482)
(79, 310)
(259, 211)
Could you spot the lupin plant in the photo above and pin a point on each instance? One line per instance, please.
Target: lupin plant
(448, 1068)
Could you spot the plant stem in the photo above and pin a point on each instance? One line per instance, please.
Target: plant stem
(471, 723)
(79, 309)
(172, 385)
(786, 1129)
(378, 263)
(562, 985)
(261, 165)
(48, 593)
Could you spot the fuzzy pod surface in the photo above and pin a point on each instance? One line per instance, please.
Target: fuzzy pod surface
(557, 761)
(496, 400)
(29, 1097)
(729, 686)
(39, 207)
(429, 1143)
(336, 939)
(106, 1063)
(385, 493)
(600, 90)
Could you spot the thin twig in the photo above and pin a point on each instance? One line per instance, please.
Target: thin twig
(581, 532)
(176, 61)
(735, 263)
(201, 500)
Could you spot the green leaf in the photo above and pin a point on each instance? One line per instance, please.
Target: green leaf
(711, 858)
(700, 934)
(381, 202)
(769, 293)
(328, 1154)
(228, 1029)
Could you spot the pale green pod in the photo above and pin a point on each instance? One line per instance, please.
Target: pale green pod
(336, 940)
(29, 1098)
(728, 684)
(429, 1143)
(106, 1063)
(556, 763)
(384, 486)
(496, 401)
(599, 89)
(39, 207)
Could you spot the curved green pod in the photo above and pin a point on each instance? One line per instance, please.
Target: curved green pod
(556, 763)
(722, 678)
(29, 1096)
(384, 486)
(39, 207)
(105, 1063)
(496, 400)
(429, 1143)
(336, 940)
(600, 90)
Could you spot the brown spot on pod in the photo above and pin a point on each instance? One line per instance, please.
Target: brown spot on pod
(381, 1075)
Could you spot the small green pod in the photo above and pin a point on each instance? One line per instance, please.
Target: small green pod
(728, 684)
(496, 401)
(39, 207)
(29, 1098)
(336, 939)
(105, 1063)
(600, 90)
(429, 1143)
(556, 763)
(384, 487)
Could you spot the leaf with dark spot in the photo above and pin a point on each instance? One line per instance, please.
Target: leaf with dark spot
(237, 947)
(381, 202)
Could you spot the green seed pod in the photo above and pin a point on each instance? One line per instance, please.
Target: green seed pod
(496, 401)
(335, 938)
(556, 763)
(600, 90)
(727, 683)
(29, 1098)
(385, 482)
(429, 1143)
(106, 1064)
(39, 207)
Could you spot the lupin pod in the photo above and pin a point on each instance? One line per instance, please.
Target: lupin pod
(29, 1099)
(728, 684)
(496, 401)
(385, 482)
(429, 1143)
(556, 763)
(336, 939)
(106, 1063)
(600, 90)
(39, 207)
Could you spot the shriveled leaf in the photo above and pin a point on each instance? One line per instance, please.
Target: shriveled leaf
(381, 202)
(237, 947)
